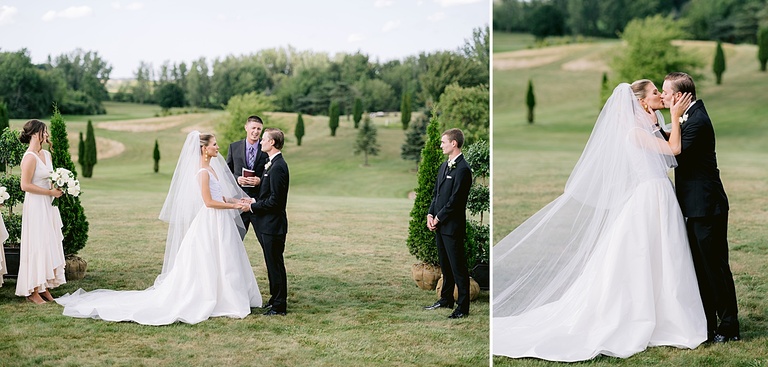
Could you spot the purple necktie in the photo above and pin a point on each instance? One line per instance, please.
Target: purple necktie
(251, 157)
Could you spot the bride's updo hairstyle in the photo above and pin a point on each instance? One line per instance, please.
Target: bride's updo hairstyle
(30, 129)
(205, 139)
(638, 87)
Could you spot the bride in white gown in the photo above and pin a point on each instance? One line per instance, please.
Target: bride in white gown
(605, 268)
(206, 271)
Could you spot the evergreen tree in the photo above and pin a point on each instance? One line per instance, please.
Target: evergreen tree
(357, 112)
(530, 100)
(605, 91)
(156, 157)
(421, 241)
(89, 155)
(762, 44)
(75, 228)
(81, 152)
(718, 66)
(405, 110)
(333, 115)
(366, 140)
(300, 129)
(414, 141)
(5, 122)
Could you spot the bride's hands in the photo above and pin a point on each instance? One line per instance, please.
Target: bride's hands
(679, 106)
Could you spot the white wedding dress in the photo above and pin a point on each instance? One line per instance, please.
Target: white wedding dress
(606, 267)
(210, 275)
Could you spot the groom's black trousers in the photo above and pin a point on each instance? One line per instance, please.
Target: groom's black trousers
(709, 247)
(273, 246)
(453, 263)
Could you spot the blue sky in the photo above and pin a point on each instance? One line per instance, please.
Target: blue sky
(127, 32)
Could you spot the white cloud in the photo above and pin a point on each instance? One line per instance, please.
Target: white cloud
(135, 6)
(7, 13)
(355, 37)
(392, 24)
(456, 2)
(436, 17)
(69, 13)
(383, 3)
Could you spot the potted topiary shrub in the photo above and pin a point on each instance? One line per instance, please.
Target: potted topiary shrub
(478, 234)
(11, 152)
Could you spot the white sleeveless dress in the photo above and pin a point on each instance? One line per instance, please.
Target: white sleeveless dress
(211, 277)
(41, 264)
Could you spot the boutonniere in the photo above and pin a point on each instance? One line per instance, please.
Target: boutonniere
(266, 166)
(451, 165)
(683, 118)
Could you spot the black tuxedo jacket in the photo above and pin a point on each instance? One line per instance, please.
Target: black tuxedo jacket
(697, 178)
(236, 160)
(270, 204)
(449, 201)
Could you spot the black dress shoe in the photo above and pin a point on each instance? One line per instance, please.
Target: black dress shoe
(439, 304)
(719, 338)
(458, 315)
(272, 312)
(267, 307)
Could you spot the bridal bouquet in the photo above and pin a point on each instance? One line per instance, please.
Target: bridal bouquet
(4, 194)
(64, 179)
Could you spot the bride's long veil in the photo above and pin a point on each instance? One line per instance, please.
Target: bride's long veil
(538, 261)
(184, 199)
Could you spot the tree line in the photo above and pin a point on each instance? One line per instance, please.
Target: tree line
(731, 21)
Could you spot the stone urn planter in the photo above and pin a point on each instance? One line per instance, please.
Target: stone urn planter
(426, 275)
(474, 289)
(481, 273)
(75, 269)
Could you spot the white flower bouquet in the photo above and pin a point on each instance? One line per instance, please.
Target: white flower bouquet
(4, 194)
(64, 179)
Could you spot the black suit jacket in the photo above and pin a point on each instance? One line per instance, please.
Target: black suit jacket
(697, 178)
(236, 160)
(270, 204)
(449, 201)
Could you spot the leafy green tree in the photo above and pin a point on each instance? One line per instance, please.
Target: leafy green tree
(530, 101)
(443, 68)
(718, 66)
(421, 241)
(156, 157)
(405, 110)
(333, 117)
(5, 120)
(235, 76)
(479, 202)
(467, 109)
(366, 140)
(546, 20)
(239, 108)
(17, 73)
(649, 52)
(762, 44)
(11, 153)
(75, 229)
(478, 49)
(142, 89)
(414, 140)
(169, 95)
(90, 152)
(198, 89)
(357, 112)
(86, 75)
(299, 129)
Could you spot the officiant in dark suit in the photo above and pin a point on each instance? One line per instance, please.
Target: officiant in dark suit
(704, 205)
(271, 221)
(246, 154)
(447, 217)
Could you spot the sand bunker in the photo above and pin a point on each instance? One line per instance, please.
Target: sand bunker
(105, 148)
(144, 125)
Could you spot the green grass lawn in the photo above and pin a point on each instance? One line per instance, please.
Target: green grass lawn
(531, 164)
(351, 298)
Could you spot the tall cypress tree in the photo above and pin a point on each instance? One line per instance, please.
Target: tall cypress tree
(81, 152)
(357, 112)
(421, 241)
(156, 157)
(605, 90)
(89, 157)
(300, 129)
(405, 110)
(762, 47)
(75, 228)
(718, 66)
(530, 100)
(333, 115)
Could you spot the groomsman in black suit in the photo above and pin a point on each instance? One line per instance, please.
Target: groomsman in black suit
(704, 204)
(271, 221)
(247, 154)
(448, 219)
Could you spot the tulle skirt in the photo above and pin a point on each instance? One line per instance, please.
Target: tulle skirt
(211, 277)
(41, 264)
(638, 289)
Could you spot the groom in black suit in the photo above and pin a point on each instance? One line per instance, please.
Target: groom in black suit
(704, 204)
(247, 154)
(271, 221)
(447, 217)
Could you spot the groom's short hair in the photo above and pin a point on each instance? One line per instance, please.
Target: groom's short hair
(254, 118)
(682, 82)
(277, 136)
(455, 135)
